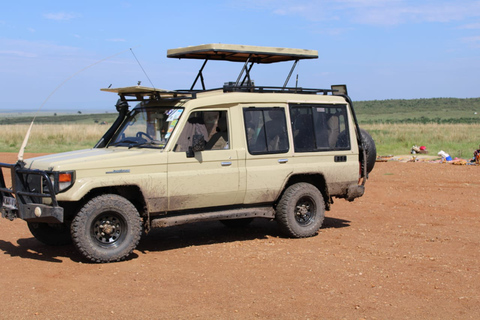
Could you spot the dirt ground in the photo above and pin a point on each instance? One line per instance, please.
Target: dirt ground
(408, 249)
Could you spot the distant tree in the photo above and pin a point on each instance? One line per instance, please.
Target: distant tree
(79, 112)
(55, 114)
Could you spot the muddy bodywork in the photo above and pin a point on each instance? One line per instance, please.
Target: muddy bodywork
(184, 156)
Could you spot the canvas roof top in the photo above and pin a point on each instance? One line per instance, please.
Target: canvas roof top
(240, 53)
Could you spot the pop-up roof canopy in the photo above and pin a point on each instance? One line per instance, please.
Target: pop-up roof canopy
(249, 55)
(241, 53)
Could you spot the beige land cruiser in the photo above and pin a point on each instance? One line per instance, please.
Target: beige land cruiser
(235, 153)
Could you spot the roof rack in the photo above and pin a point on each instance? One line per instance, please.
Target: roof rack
(241, 53)
(140, 93)
(265, 89)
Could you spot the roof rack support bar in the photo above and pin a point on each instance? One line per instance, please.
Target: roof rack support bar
(247, 75)
(290, 74)
(200, 75)
(243, 70)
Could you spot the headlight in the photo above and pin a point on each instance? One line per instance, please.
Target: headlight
(65, 180)
(61, 181)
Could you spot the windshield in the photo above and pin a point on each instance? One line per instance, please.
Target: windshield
(147, 128)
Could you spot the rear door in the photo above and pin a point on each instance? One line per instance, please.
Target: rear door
(322, 142)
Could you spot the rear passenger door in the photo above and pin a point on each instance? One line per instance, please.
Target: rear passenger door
(268, 152)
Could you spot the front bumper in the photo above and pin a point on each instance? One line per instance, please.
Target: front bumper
(25, 199)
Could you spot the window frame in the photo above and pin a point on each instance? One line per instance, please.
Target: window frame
(263, 129)
(207, 138)
(316, 147)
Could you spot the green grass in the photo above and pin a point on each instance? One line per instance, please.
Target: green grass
(447, 124)
(458, 140)
(421, 111)
(44, 118)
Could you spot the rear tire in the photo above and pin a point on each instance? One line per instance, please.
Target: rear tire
(301, 210)
(108, 228)
(52, 234)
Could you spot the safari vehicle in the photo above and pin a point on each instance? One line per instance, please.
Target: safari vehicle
(232, 154)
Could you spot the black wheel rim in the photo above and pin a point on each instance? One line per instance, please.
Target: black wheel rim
(305, 211)
(109, 229)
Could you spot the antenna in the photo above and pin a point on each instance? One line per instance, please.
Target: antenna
(153, 86)
(27, 136)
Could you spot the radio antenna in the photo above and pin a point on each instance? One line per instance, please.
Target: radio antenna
(27, 136)
(146, 75)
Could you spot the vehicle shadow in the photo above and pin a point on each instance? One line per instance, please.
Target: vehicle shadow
(30, 248)
(206, 233)
(164, 239)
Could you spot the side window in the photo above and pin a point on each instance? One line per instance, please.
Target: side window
(212, 125)
(319, 128)
(266, 130)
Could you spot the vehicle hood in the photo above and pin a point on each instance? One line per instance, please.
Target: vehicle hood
(95, 159)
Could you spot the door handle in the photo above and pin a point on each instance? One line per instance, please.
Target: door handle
(226, 163)
(282, 160)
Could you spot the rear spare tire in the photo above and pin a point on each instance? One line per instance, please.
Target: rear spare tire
(370, 149)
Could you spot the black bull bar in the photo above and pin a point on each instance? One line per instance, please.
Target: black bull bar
(25, 201)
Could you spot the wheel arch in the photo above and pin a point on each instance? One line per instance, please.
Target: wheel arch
(315, 179)
(130, 192)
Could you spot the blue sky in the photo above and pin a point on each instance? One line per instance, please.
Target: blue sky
(397, 49)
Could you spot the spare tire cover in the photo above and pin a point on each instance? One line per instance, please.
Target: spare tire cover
(370, 149)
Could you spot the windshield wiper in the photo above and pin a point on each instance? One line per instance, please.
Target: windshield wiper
(146, 144)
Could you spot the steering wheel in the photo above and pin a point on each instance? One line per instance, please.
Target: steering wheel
(141, 133)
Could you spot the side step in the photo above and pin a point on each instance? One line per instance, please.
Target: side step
(259, 212)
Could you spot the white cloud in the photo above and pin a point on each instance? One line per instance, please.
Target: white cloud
(473, 41)
(60, 16)
(471, 26)
(17, 53)
(32, 49)
(116, 40)
(372, 12)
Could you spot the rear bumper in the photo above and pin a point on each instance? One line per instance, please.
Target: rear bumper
(355, 191)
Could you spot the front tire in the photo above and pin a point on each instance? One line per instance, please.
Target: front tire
(301, 211)
(51, 234)
(108, 228)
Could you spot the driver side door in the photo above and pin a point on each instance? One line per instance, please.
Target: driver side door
(211, 177)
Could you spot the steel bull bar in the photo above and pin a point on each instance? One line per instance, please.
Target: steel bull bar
(26, 202)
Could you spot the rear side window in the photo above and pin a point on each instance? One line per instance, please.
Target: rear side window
(266, 130)
(319, 127)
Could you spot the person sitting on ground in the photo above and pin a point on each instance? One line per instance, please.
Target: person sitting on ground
(476, 155)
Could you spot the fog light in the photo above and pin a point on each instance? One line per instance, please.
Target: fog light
(38, 212)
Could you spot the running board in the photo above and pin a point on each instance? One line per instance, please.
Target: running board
(259, 212)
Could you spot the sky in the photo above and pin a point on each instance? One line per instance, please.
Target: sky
(56, 55)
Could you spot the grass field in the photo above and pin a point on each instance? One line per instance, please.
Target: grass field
(52, 138)
(448, 124)
(459, 140)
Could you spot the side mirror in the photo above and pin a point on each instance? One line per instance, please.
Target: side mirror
(198, 144)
